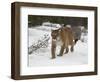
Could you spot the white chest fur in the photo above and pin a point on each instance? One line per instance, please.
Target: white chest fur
(58, 41)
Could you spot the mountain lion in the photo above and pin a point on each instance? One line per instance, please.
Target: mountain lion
(65, 37)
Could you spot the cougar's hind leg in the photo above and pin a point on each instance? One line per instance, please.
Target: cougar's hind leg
(76, 41)
(61, 51)
(67, 50)
(72, 48)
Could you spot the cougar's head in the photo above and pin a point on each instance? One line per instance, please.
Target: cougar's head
(55, 34)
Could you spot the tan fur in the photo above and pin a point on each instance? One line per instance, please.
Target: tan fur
(66, 38)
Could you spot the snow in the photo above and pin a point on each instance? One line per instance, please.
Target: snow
(35, 34)
(51, 24)
(42, 56)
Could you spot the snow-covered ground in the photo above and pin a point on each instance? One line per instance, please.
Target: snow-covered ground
(42, 56)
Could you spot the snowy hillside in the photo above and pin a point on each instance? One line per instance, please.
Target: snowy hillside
(42, 56)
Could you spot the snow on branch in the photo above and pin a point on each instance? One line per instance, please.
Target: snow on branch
(41, 43)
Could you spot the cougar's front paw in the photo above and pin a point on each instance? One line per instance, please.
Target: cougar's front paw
(53, 57)
(59, 55)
